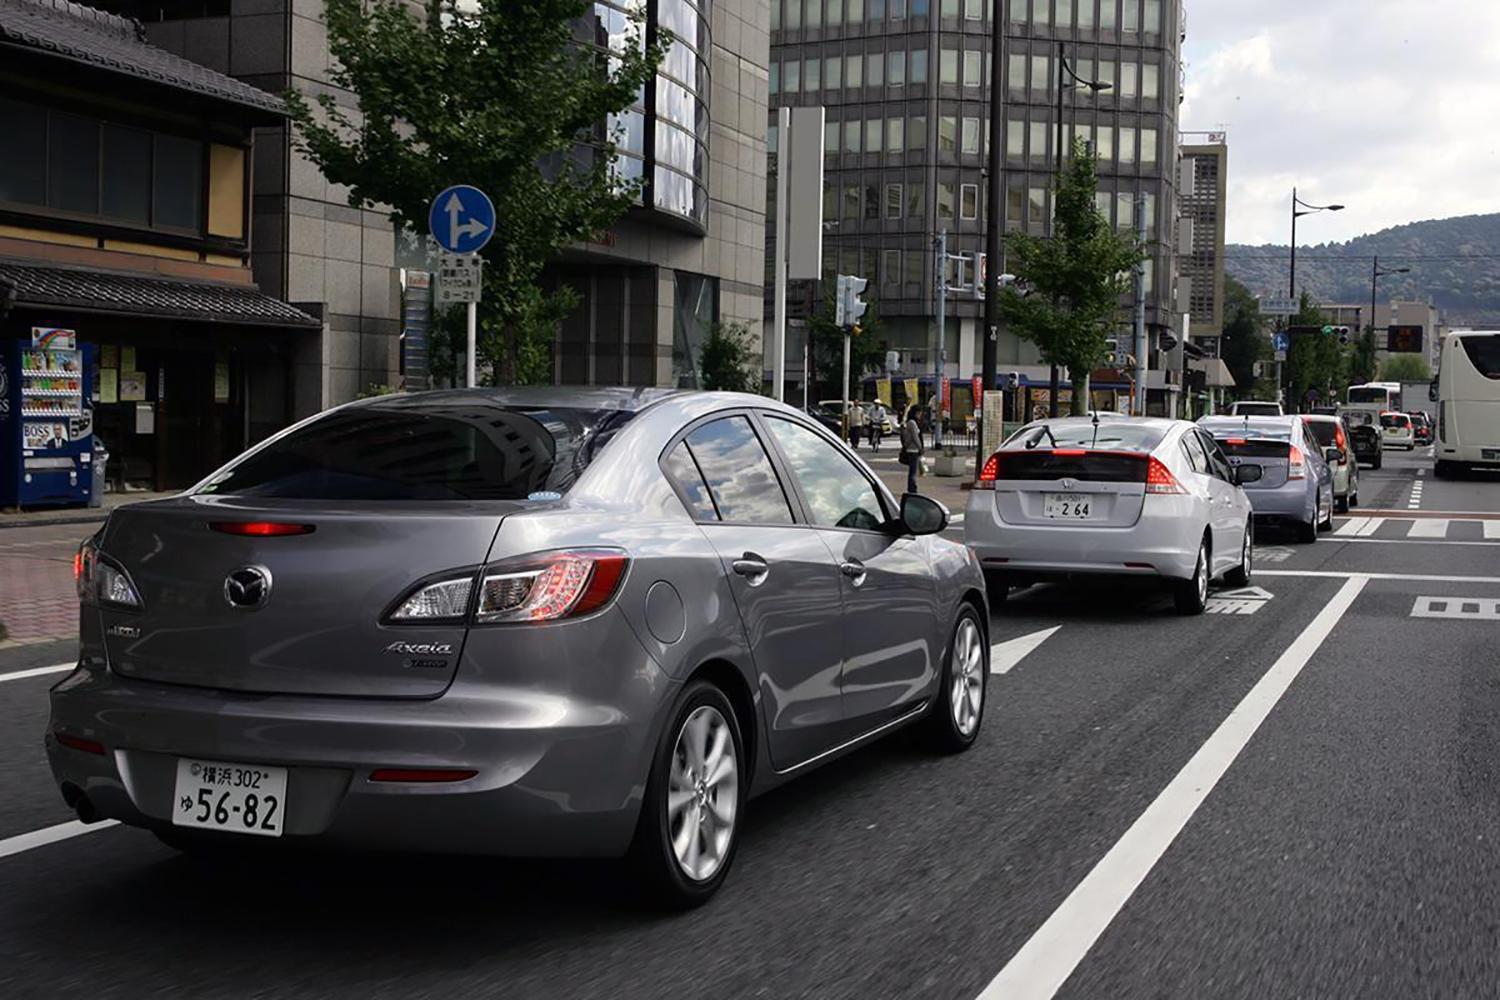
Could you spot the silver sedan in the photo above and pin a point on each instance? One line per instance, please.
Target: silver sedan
(1112, 495)
(550, 622)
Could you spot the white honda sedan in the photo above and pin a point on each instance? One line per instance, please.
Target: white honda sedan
(1112, 495)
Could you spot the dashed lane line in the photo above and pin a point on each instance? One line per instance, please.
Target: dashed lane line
(51, 835)
(17, 675)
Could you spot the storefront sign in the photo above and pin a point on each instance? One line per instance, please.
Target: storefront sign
(976, 389)
(51, 338)
(132, 386)
(221, 381)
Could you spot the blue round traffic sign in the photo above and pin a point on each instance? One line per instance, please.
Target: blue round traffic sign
(462, 219)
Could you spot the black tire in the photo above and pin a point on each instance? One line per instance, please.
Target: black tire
(1379, 460)
(1327, 523)
(1241, 574)
(997, 586)
(658, 872)
(1307, 531)
(942, 728)
(1341, 504)
(1191, 595)
(1443, 469)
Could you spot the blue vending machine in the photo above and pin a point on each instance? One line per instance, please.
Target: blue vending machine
(46, 421)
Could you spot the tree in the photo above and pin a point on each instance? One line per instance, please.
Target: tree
(827, 337)
(1362, 363)
(729, 361)
(1071, 284)
(1243, 343)
(494, 93)
(1316, 359)
(1405, 368)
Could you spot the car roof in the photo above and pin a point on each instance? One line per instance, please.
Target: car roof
(631, 400)
(1250, 422)
(1117, 418)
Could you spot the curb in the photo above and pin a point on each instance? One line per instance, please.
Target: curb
(42, 522)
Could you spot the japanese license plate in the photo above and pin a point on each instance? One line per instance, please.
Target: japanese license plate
(234, 798)
(1071, 506)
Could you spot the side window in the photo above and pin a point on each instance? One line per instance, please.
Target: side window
(1217, 460)
(683, 470)
(1195, 456)
(838, 494)
(741, 480)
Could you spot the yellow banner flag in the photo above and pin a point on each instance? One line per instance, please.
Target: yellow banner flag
(883, 391)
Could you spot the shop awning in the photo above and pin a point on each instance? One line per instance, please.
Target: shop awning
(1216, 373)
(86, 290)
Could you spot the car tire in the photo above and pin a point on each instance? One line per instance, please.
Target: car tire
(1327, 523)
(1240, 575)
(957, 713)
(1443, 469)
(661, 863)
(997, 586)
(1191, 595)
(1379, 459)
(1307, 531)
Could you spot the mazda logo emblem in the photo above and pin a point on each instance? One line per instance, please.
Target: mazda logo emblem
(248, 587)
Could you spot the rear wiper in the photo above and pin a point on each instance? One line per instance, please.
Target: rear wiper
(1095, 443)
(1036, 438)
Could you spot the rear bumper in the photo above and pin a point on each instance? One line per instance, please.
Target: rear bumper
(1283, 503)
(557, 776)
(1163, 542)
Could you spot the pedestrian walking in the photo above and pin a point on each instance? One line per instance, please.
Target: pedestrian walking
(856, 411)
(877, 424)
(911, 448)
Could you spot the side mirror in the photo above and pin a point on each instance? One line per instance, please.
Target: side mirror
(1333, 456)
(1244, 474)
(922, 515)
(1432, 391)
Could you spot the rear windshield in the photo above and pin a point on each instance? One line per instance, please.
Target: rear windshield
(1360, 394)
(1325, 431)
(1395, 420)
(1257, 409)
(1115, 435)
(1089, 467)
(1484, 352)
(439, 451)
(1265, 444)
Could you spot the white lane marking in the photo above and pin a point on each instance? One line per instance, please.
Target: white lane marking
(1044, 963)
(1005, 655)
(56, 668)
(51, 835)
(1243, 601)
(1323, 574)
(955, 519)
(1408, 541)
(1273, 554)
(1469, 608)
(1492, 529)
(1352, 526)
(1370, 527)
(1432, 527)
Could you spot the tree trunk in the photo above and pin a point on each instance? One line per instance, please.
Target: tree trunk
(1080, 406)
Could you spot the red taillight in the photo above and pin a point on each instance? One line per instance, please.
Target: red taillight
(1069, 452)
(1297, 465)
(1234, 440)
(79, 743)
(261, 529)
(1159, 479)
(989, 473)
(421, 775)
(601, 587)
(77, 566)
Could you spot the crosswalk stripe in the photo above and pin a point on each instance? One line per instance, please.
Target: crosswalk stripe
(1352, 526)
(1435, 527)
(1370, 527)
(1492, 529)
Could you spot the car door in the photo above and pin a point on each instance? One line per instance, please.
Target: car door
(786, 585)
(1236, 505)
(1217, 500)
(892, 636)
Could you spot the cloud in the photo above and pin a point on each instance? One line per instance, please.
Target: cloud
(1384, 105)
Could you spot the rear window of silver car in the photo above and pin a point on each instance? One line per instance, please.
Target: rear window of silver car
(1112, 436)
(406, 450)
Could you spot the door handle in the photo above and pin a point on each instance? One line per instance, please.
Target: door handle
(854, 570)
(752, 567)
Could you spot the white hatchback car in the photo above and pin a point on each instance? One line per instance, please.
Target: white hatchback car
(1397, 431)
(1134, 497)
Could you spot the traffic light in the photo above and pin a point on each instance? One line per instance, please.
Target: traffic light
(1342, 332)
(840, 297)
(1012, 381)
(854, 308)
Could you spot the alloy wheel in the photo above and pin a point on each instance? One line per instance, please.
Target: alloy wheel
(966, 689)
(1201, 577)
(703, 793)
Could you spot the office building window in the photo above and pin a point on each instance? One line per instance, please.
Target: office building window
(874, 69)
(830, 201)
(877, 10)
(791, 76)
(773, 138)
(854, 11)
(1105, 149)
(968, 201)
(1107, 19)
(1015, 139)
(851, 202)
(895, 196)
(851, 137)
(1129, 73)
(854, 72)
(775, 87)
(1149, 208)
(890, 268)
(895, 135)
(916, 133)
(776, 14)
(950, 8)
(947, 134)
(948, 66)
(1125, 212)
(1015, 72)
(1036, 210)
(1018, 11)
(833, 72)
(812, 76)
(793, 18)
(1015, 206)
(1064, 13)
(919, 8)
(915, 262)
(814, 17)
(1086, 14)
(916, 203)
(1106, 71)
(874, 139)
(974, 10)
(945, 200)
(872, 202)
(973, 69)
(1041, 74)
(1151, 20)
(1148, 148)
(918, 66)
(1038, 153)
(1150, 81)
(898, 10)
(971, 136)
(1041, 11)
(1127, 146)
(1130, 15)
(1103, 202)
(895, 68)
(830, 137)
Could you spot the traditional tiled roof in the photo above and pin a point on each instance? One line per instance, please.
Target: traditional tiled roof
(173, 298)
(117, 44)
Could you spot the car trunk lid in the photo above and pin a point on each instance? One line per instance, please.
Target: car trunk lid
(1112, 485)
(1273, 456)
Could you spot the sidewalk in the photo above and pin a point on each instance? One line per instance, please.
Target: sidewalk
(75, 515)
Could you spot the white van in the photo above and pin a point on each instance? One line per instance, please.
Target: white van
(1468, 402)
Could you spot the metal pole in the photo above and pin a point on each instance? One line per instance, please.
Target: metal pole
(473, 337)
(1281, 383)
(1052, 378)
(1140, 310)
(942, 314)
(845, 398)
(806, 363)
(994, 222)
(783, 161)
(1374, 277)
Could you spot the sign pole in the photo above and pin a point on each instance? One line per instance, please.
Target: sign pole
(473, 330)
(783, 168)
(846, 373)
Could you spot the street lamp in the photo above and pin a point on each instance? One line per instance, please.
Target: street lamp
(1066, 80)
(993, 218)
(1375, 275)
(1299, 209)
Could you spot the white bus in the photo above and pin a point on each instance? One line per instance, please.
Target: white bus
(1378, 396)
(1468, 398)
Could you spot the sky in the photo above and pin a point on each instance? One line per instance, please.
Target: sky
(1389, 107)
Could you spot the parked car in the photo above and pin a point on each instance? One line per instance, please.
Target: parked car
(1129, 497)
(1397, 430)
(562, 622)
(1363, 427)
(1338, 451)
(1421, 426)
(1296, 484)
(1254, 408)
(829, 413)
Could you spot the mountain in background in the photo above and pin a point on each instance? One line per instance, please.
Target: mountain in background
(1466, 290)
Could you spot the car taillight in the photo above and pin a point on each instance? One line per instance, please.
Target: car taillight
(442, 600)
(261, 529)
(563, 584)
(989, 473)
(1297, 465)
(96, 578)
(1159, 478)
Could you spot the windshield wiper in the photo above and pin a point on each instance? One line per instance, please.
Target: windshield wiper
(1095, 443)
(1036, 438)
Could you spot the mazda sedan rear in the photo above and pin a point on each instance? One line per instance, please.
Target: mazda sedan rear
(548, 622)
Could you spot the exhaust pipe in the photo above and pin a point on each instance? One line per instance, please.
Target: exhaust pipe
(79, 803)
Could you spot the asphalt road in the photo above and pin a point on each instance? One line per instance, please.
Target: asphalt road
(1295, 796)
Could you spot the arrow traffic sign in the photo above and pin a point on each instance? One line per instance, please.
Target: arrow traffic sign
(461, 219)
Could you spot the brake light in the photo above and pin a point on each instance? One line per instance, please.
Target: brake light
(989, 473)
(1159, 479)
(261, 529)
(1069, 452)
(558, 585)
(1234, 440)
(97, 578)
(1297, 465)
(79, 743)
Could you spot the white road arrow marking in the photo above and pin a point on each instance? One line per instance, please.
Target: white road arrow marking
(1005, 655)
(1247, 594)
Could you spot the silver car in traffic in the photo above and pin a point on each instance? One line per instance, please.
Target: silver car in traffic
(526, 622)
(1112, 495)
(1296, 483)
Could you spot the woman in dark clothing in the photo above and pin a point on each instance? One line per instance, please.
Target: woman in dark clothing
(911, 448)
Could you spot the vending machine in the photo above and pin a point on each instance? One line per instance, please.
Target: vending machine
(46, 420)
